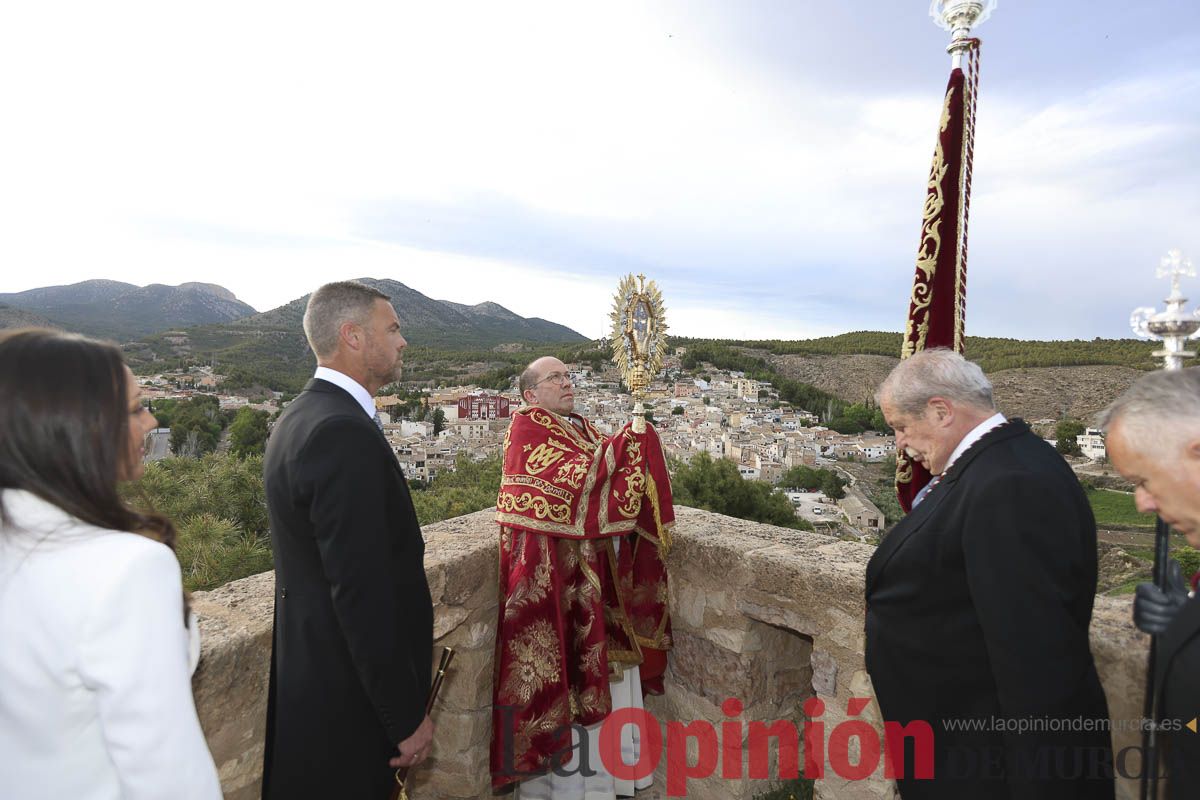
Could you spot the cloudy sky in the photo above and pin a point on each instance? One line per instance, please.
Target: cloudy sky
(763, 160)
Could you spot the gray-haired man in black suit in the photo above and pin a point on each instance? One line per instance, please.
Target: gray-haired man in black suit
(978, 601)
(353, 639)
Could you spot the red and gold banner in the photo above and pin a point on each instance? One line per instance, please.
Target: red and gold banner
(584, 530)
(937, 308)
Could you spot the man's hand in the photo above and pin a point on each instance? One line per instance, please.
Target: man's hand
(415, 748)
(1153, 609)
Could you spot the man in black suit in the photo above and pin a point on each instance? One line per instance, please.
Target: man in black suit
(979, 601)
(353, 641)
(1154, 441)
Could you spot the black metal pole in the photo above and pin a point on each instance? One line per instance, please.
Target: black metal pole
(1162, 557)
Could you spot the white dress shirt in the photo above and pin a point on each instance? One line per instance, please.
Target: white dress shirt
(356, 389)
(973, 436)
(95, 690)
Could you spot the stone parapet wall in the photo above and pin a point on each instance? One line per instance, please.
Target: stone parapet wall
(231, 682)
(770, 617)
(765, 615)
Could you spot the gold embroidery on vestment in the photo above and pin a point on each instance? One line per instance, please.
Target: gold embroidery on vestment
(541, 485)
(542, 458)
(542, 508)
(630, 503)
(573, 472)
(551, 720)
(535, 662)
(525, 592)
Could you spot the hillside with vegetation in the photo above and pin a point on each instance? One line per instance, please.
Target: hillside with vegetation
(13, 317)
(446, 341)
(992, 353)
(122, 311)
(1032, 379)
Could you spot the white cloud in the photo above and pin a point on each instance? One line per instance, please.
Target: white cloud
(239, 143)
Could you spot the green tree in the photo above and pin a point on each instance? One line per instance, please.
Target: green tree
(231, 488)
(854, 418)
(219, 509)
(717, 486)
(1065, 432)
(801, 478)
(164, 411)
(824, 480)
(213, 551)
(472, 486)
(833, 485)
(248, 432)
(439, 421)
(677, 411)
(196, 426)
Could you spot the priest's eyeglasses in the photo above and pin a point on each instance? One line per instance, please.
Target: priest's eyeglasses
(557, 378)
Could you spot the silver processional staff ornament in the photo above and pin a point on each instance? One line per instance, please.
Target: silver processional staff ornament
(639, 326)
(1174, 326)
(959, 17)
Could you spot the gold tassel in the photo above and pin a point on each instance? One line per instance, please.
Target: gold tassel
(663, 533)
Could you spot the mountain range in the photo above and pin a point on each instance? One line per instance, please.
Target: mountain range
(122, 311)
(434, 323)
(128, 313)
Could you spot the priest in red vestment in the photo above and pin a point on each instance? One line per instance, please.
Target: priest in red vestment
(584, 531)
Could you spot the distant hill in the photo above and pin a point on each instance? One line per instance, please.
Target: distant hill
(992, 353)
(434, 323)
(20, 318)
(269, 348)
(1032, 379)
(122, 311)
(1033, 393)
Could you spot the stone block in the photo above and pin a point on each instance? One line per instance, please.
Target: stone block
(459, 732)
(737, 640)
(468, 682)
(688, 602)
(447, 618)
(715, 672)
(436, 578)
(825, 673)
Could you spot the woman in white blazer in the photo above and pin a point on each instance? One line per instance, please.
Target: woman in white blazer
(96, 644)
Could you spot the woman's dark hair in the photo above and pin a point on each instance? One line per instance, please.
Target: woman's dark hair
(64, 428)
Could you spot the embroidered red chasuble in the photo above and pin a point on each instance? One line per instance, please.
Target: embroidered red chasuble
(574, 609)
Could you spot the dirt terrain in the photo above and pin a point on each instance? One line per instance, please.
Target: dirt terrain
(1033, 393)
(1057, 392)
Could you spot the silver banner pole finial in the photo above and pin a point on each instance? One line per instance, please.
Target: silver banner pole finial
(959, 17)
